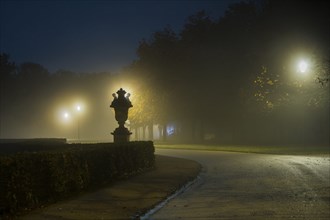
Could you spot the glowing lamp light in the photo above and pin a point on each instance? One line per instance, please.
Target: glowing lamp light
(78, 108)
(66, 115)
(302, 66)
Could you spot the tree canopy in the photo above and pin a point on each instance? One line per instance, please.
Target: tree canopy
(214, 68)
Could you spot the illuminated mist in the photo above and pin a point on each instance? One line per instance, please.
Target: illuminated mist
(232, 80)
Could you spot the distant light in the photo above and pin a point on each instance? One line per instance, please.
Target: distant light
(170, 129)
(302, 66)
(78, 108)
(66, 115)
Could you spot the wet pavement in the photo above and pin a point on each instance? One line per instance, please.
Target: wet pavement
(252, 186)
(127, 199)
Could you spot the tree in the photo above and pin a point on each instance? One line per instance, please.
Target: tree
(7, 67)
(205, 71)
(322, 71)
(7, 71)
(32, 72)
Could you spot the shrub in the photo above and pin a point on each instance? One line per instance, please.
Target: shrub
(32, 179)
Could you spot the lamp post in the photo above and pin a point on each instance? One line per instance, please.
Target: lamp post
(121, 104)
(73, 116)
(302, 66)
(78, 108)
(66, 115)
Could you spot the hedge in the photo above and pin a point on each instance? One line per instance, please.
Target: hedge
(11, 146)
(32, 179)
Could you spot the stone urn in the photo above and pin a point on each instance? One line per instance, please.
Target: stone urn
(121, 104)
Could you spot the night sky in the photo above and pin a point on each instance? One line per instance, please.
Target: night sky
(90, 36)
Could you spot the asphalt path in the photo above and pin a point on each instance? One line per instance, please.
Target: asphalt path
(252, 186)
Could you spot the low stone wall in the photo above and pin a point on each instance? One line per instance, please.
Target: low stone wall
(32, 179)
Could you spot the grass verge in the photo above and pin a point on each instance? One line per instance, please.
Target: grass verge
(282, 150)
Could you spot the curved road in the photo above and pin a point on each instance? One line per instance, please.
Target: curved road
(252, 186)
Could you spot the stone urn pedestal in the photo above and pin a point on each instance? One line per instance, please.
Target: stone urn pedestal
(121, 104)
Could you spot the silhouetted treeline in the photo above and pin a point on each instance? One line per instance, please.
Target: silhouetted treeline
(32, 98)
(204, 79)
(228, 80)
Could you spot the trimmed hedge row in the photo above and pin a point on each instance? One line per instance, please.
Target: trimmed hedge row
(30, 180)
(12, 146)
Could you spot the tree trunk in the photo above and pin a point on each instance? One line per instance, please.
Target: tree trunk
(193, 130)
(201, 132)
(151, 131)
(164, 132)
(160, 132)
(144, 132)
(137, 133)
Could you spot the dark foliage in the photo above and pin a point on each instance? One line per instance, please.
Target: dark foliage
(32, 179)
(204, 76)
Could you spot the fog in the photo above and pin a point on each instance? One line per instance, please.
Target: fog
(234, 80)
(33, 106)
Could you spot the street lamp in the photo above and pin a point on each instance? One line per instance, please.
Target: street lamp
(78, 108)
(69, 116)
(66, 115)
(302, 66)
